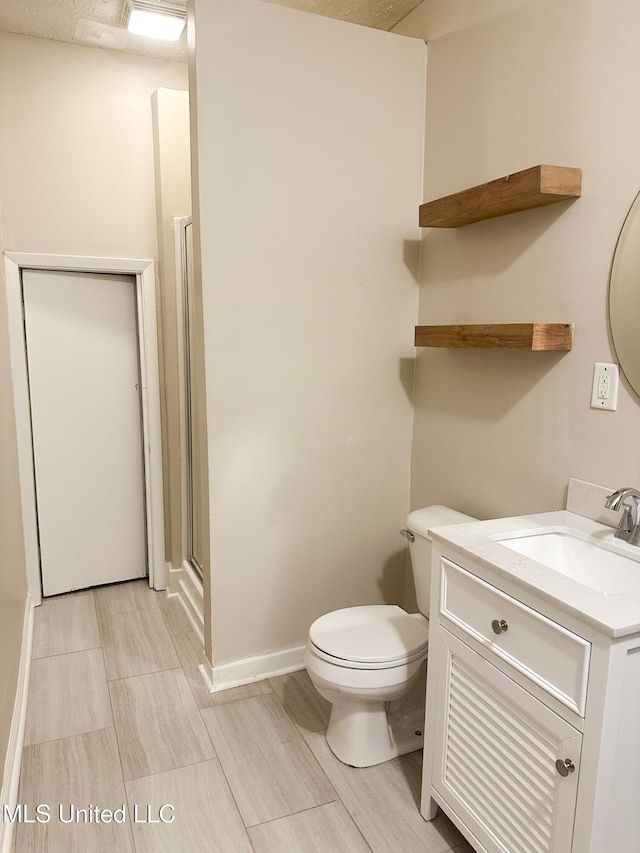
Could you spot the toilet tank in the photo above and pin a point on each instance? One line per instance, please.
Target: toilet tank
(418, 523)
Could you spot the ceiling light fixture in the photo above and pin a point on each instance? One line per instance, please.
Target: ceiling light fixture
(154, 19)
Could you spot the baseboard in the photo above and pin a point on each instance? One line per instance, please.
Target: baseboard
(13, 760)
(246, 671)
(187, 586)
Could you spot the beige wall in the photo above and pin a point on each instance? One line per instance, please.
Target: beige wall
(514, 83)
(12, 563)
(77, 147)
(76, 177)
(309, 156)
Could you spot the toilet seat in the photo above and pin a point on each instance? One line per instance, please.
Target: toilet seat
(369, 637)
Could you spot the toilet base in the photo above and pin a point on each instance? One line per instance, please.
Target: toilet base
(363, 732)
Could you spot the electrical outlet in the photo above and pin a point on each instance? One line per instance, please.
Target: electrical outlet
(604, 392)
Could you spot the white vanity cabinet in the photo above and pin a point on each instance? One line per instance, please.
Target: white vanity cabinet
(532, 732)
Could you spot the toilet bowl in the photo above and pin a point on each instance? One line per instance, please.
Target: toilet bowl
(369, 662)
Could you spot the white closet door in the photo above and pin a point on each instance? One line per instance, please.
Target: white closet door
(82, 353)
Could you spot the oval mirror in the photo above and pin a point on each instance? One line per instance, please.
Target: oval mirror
(624, 297)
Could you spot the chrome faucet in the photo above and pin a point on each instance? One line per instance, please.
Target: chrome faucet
(625, 499)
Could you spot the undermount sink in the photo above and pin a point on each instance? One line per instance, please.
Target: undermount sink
(600, 566)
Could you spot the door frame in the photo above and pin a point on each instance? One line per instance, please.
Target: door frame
(144, 272)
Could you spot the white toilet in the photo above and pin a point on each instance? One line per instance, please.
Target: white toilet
(370, 662)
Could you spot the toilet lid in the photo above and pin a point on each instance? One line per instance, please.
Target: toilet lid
(373, 634)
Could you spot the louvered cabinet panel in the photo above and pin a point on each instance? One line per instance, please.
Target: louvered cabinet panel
(495, 756)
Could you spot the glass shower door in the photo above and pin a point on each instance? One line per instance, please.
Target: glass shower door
(196, 421)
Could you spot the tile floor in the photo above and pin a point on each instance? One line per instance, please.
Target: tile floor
(118, 719)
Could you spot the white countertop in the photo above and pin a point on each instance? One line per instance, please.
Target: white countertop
(615, 613)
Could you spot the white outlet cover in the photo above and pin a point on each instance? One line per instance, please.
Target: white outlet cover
(604, 391)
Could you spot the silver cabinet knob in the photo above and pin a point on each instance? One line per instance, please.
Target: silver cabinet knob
(565, 767)
(499, 626)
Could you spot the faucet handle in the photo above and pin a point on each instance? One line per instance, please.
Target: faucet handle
(626, 524)
(627, 501)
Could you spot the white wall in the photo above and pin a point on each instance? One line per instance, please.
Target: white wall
(514, 83)
(309, 156)
(76, 177)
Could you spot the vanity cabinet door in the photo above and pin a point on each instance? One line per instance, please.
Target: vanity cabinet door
(503, 762)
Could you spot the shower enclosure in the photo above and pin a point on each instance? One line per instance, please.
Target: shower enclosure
(195, 454)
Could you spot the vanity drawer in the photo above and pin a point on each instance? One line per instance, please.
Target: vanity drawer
(548, 654)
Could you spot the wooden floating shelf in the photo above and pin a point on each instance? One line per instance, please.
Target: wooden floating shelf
(535, 187)
(537, 337)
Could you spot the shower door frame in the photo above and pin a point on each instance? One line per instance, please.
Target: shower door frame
(180, 236)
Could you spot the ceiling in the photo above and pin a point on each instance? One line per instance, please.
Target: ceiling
(97, 22)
